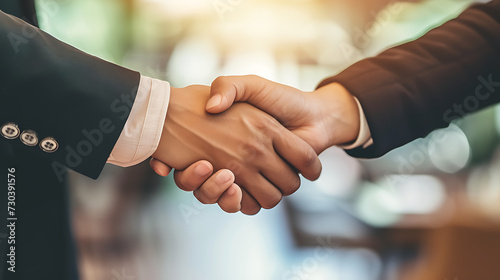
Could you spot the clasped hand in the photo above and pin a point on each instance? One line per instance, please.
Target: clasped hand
(258, 151)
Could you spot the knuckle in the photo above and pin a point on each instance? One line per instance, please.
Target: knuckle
(202, 198)
(229, 208)
(250, 210)
(252, 149)
(272, 201)
(179, 181)
(265, 124)
(219, 80)
(211, 193)
(223, 81)
(199, 197)
(309, 158)
(235, 166)
(293, 186)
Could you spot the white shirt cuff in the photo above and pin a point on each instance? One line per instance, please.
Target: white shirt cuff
(142, 131)
(364, 137)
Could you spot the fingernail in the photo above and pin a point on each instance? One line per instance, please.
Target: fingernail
(202, 170)
(158, 172)
(216, 100)
(224, 176)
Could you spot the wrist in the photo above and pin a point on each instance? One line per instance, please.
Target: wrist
(186, 129)
(341, 114)
(169, 137)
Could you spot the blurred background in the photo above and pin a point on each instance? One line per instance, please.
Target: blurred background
(428, 210)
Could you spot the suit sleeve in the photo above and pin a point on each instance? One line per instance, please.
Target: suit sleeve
(72, 101)
(410, 90)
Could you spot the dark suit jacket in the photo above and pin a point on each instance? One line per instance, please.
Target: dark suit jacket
(59, 93)
(410, 90)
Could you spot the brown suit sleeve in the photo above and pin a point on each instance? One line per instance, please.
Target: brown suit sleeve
(410, 90)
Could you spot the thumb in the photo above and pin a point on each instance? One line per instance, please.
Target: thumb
(280, 101)
(227, 90)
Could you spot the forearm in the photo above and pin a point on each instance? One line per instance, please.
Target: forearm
(411, 89)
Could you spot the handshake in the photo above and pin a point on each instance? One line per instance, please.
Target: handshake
(258, 145)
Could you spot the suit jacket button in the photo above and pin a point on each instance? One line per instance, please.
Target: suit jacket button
(49, 145)
(29, 138)
(10, 131)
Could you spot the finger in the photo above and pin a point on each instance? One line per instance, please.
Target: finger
(159, 167)
(297, 153)
(194, 176)
(281, 175)
(230, 201)
(211, 191)
(249, 206)
(265, 193)
(224, 91)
